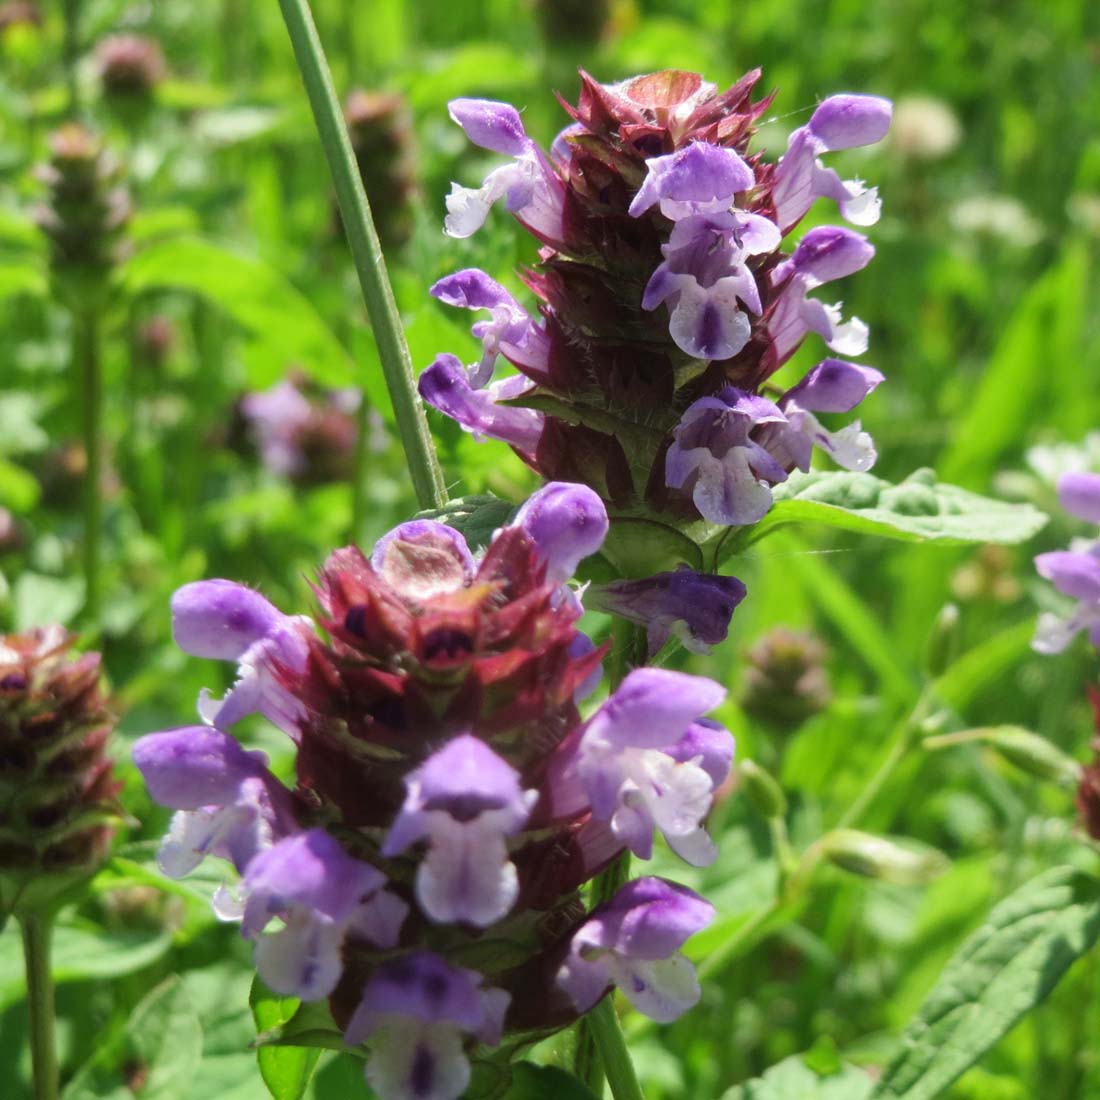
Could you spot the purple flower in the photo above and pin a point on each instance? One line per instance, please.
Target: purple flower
(629, 765)
(699, 179)
(509, 330)
(706, 283)
(425, 1008)
(1080, 495)
(832, 386)
(1074, 572)
(714, 457)
(567, 523)
(465, 801)
(445, 386)
(634, 942)
(322, 895)
(422, 559)
(528, 185)
(826, 253)
(277, 415)
(229, 622)
(696, 607)
(228, 804)
(840, 122)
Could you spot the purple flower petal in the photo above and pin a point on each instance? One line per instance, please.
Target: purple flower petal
(710, 744)
(445, 386)
(310, 870)
(567, 523)
(1080, 494)
(653, 707)
(220, 619)
(421, 986)
(846, 121)
(698, 606)
(196, 766)
(696, 179)
(834, 385)
(490, 125)
(830, 252)
(634, 941)
(1076, 574)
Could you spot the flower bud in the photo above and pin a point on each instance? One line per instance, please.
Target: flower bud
(57, 787)
(879, 858)
(381, 131)
(573, 22)
(786, 682)
(84, 214)
(130, 65)
(765, 795)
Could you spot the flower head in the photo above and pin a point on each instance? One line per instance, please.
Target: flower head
(665, 278)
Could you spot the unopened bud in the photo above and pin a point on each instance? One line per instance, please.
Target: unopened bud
(786, 682)
(942, 640)
(764, 794)
(1020, 747)
(573, 22)
(381, 130)
(130, 65)
(879, 858)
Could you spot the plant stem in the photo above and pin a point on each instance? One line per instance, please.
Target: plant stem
(393, 350)
(613, 1052)
(86, 361)
(904, 737)
(36, 954)
(70, 50)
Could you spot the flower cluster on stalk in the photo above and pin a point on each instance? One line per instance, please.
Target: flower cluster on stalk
(667, 298)
(425, 872)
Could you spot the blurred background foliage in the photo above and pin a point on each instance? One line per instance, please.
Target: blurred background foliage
(983, 307)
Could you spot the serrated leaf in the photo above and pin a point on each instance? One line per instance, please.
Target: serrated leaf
(476, 517)
(283, 326)
(531, 1082)
(792, 1079)
(918, 509)
(285, 1070)
(1000, 973)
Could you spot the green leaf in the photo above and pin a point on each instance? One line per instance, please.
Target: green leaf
(311, 1025)
(39, 599)
(792, 1079)
(1001, 972)
(477, 517)
(286, 1070)
(162, 1042)
(531, 1082)
(916, 510)
(283, 326)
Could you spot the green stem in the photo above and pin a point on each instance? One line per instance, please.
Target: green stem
(36, 955)
(613, 1051)
(71, 49)
(393, 350)
(904, 738)
(86, 361)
